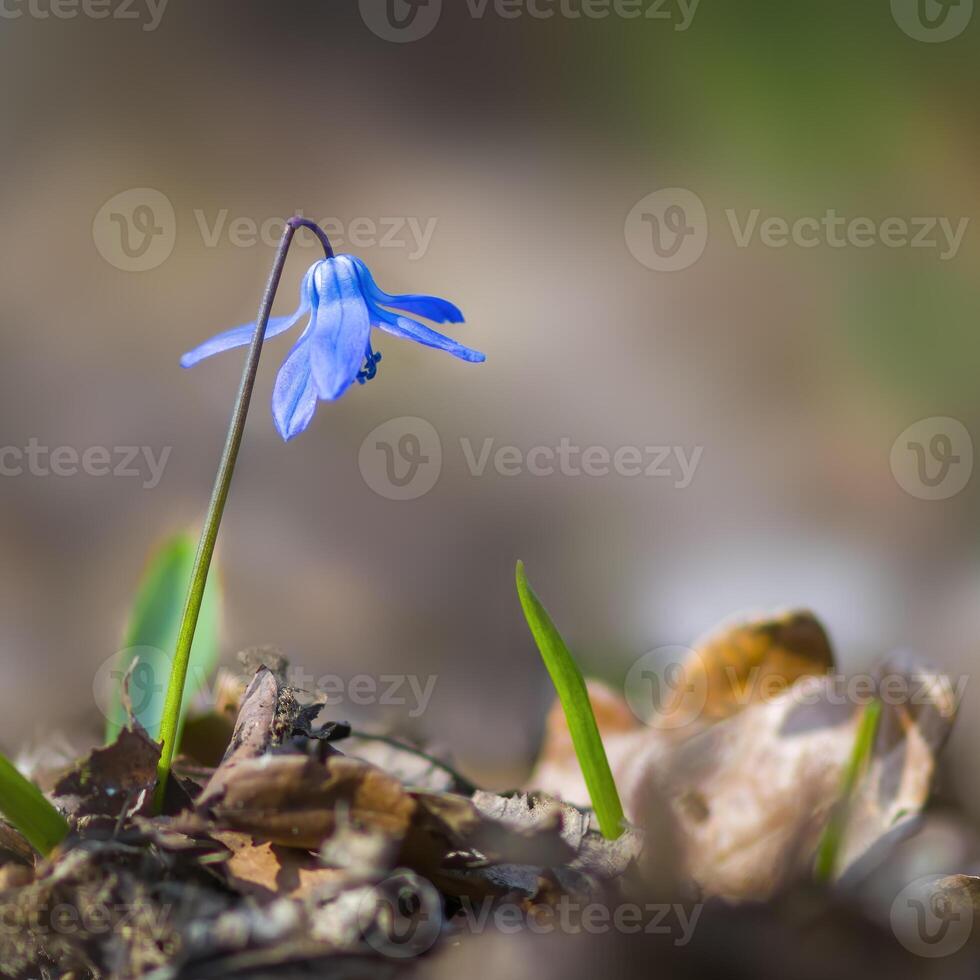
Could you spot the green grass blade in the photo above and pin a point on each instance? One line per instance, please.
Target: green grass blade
(864, 742)
(572, 693)
(25, 806)
(151, 635)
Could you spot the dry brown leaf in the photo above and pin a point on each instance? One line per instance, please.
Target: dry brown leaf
(14, 847)
(294, 799)
(113, 779)
(268, 870)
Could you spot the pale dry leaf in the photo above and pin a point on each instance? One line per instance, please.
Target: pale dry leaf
(752, 795)
(738, 664)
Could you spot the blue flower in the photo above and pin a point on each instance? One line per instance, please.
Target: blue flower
(344, 303)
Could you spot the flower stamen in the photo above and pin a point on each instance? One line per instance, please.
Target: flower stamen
(370, 368)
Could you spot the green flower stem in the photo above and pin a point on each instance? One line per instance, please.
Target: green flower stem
(209, 534)
(26, 807)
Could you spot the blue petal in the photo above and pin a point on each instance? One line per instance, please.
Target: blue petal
(341, 327)
(430, 307)
(402, 326)
(240, 336)
(294, 396)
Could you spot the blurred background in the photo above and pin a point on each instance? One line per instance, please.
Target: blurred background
(615, 201)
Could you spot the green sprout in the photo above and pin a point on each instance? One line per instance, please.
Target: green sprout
(574, 698)
(151, 637)
(25, 806)
(828, 850)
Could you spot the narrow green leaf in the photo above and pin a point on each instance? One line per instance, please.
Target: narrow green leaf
(825, 864)
(151, 636)
(25, 806)
(574, 697)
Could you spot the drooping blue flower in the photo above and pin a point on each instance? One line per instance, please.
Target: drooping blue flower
(334, 351)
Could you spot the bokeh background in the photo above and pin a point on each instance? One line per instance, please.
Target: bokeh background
(525, 146)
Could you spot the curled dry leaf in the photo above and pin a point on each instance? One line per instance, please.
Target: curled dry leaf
(751, 795)
(919, 707)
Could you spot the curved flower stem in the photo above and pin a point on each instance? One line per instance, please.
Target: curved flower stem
(219, 495)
